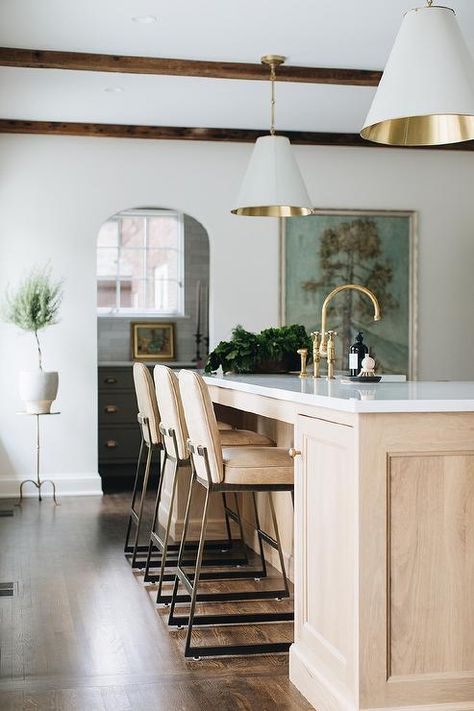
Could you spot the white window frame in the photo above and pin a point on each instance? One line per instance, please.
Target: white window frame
(117, 312)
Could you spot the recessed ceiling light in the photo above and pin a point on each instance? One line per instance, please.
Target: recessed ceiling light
(145, 19)
(114, 89)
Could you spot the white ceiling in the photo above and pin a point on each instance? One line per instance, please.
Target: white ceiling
(327, 33)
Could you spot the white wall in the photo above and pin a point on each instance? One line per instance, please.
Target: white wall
(55, 192)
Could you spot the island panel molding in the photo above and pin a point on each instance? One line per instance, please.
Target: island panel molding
(430, 501)
(416, 502)
(166, 66)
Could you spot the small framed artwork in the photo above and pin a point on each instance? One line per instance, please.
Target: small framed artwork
(152, 341)
(376, 248)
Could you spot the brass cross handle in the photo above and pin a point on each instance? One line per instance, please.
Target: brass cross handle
(303, 353)
(316, 336)
(294, 453)
(331, 354)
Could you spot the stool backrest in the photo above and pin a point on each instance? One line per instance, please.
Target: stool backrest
(202, 425)
(171, 409)
(147, 405)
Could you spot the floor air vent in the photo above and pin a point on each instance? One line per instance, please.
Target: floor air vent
(6, 512)
(7, 589)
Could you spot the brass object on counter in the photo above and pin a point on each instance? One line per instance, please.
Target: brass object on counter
(331, 354)
(316, 336)
(303, 353)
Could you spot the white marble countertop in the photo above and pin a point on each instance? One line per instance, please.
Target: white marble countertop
(410, 396)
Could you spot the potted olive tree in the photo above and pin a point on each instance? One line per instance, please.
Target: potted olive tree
(34, 306)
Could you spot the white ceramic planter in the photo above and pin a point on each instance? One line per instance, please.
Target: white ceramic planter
(38, 390)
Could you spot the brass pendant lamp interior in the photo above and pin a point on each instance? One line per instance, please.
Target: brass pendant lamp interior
(437, 107)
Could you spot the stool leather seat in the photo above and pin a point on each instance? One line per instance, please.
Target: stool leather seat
(223, 426)
(244, 438)
(257, 465)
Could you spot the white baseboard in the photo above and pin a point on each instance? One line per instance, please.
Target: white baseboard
(76, 485)
(314, 686)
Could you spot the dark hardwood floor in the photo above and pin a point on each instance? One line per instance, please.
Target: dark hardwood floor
(81, 632)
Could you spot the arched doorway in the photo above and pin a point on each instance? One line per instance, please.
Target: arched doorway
(152, 305)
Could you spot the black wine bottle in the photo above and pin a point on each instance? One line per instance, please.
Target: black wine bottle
(357, 353)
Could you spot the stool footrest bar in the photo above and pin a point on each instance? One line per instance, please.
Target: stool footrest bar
(267, 648)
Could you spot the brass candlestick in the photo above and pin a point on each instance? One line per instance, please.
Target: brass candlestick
(316, 336)
(303, 353)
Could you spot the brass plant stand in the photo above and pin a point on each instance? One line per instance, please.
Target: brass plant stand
(38, 483)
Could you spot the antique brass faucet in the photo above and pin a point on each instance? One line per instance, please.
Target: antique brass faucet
(327, 346)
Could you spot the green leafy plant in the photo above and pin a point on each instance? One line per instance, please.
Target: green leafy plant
(34, 305)
(272, 349)
(238, 355)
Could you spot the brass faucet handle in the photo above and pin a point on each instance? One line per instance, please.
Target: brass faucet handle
(331, 354)
(303, 353)
(316, 336)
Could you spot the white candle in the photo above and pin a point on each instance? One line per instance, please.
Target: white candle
(205, 310)
(198, 306)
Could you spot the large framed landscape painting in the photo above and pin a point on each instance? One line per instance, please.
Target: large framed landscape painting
(374, 248)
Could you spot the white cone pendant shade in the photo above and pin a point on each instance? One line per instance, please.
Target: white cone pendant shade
(273, 186)
(426, 95)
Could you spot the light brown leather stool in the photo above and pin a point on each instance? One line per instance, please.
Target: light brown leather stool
(151, 440)
(174, 438)
(148, 420)
(218, 469)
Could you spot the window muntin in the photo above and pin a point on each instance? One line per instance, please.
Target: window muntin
(140, 264)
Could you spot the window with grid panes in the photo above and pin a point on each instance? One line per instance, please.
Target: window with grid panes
(140, 264)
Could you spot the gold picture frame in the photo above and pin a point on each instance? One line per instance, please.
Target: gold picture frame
(412, 286)
(152, 341)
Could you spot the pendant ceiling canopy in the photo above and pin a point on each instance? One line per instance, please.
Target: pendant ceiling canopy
(273, 185)
(426, 94)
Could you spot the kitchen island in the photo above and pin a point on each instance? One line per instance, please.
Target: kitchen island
(383, 536)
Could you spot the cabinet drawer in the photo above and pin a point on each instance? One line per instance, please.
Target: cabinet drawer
(119, 443)
(111, 379)
(117, 407)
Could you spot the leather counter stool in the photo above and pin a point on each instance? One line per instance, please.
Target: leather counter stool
(218, 469)
(151, 440)
(174, 436)
(149, 421)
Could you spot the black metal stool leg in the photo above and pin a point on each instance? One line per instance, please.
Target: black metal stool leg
(128, 548)
(140, 509)
(197, 574)
(260, 542)
(174, 595)
(164, 552)
(155, 517)
(227, 520)
(278, 542)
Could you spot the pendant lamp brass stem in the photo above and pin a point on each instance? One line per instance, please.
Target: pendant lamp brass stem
(272, 60)
(272, 79)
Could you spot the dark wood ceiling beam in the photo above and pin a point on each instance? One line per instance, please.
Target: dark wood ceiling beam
(81, 61)
(181, 133)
